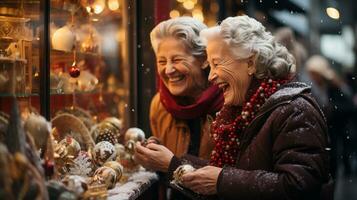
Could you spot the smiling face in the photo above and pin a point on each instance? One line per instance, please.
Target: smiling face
(179, 70)
(231, 75)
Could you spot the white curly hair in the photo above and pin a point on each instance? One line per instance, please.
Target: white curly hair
(247, 37)
(186, 29)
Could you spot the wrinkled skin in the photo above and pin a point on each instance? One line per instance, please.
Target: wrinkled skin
(203, 180)
(181, 72)
(231, 75)
(154, 156)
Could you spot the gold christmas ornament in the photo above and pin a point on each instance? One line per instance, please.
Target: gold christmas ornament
(104, 175)
(103, 151)
(67, 147)
(180, 171)
(90, 44)
(117, 167)
(128, 160)
(117, 123)
(65, 153)
(104, 132)
(151, 139)
(77, 184)
(118, 126)
(135, 134)
(120, 149)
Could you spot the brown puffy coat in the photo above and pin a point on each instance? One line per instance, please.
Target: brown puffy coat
(282, 152)
(175, 133)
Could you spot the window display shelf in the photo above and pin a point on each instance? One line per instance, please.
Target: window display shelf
(7, 39)
(12, 60)
(69, 54)
(76, 70)
(55, 93)
(19, 95)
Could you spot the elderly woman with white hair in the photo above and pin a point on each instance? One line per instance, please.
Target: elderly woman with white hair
(270, 136)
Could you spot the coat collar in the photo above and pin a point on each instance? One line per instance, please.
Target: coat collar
(286, 92)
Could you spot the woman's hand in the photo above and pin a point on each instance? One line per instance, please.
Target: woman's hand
(203, 180)
(153, 156)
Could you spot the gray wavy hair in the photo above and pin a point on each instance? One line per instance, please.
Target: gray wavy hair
(246, 37)
(186, 29)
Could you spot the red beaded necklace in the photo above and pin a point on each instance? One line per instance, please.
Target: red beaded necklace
(226, 129)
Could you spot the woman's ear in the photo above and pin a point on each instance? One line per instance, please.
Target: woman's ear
(205, 64)
(252, 65)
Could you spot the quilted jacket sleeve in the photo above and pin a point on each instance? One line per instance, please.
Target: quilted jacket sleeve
(299, 159)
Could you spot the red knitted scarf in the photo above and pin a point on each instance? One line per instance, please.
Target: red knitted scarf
(210, 101)
(227, 127)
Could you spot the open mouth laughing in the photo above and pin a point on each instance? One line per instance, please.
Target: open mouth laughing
(223, 86)
(176, 79)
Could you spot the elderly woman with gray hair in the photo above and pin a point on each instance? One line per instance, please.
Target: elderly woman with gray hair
(270, 136)
(180, 111)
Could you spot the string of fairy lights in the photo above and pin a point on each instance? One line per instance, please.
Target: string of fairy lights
(194, 8)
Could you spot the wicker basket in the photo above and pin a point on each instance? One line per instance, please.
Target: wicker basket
(82, 114)
(68, 124)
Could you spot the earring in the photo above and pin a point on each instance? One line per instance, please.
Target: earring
(250, 73)
(250, 62)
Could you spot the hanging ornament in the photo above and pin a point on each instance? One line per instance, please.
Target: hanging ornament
(90, 44)
(49, 168)
(74, 71)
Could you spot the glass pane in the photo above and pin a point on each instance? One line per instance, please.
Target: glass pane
(89, 71)
(19, 55)
(203, 10)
